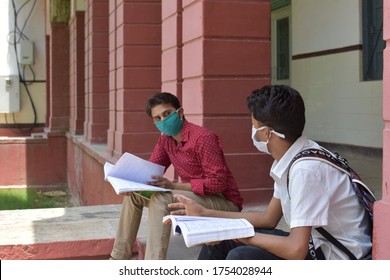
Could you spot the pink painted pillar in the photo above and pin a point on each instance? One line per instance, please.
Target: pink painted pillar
(112, 77)
(96, 71)
(58, 77)
(381, 242)
(135, 74)
(171, 45)
(171, 68)
(224, 58)
(48, 78)
(76, 72)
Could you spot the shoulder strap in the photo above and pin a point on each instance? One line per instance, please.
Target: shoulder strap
(341, 164)
(322, 154)
(335, 242)
(336, 161)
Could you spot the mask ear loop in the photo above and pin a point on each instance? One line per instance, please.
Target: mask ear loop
(278, 134)
(271, 131)
(177, 111)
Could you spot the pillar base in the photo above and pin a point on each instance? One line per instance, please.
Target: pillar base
(381, 231)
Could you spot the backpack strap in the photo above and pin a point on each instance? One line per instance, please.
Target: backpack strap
(338, 162)
(324, 155)
(335, 242)
(341, 164)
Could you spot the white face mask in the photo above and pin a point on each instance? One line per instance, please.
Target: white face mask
(261, 145)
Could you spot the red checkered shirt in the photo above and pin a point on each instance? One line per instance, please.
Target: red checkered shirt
(198, 159)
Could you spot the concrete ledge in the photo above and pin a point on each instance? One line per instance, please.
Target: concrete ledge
(81, 249)
(86, 232)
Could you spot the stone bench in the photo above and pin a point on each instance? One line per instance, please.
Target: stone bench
(85, 232)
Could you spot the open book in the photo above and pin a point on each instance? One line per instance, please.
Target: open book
(200, 230)
(131, 174)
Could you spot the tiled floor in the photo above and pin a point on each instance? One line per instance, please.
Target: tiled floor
(370, 170)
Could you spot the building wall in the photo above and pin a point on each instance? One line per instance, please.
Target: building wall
(211, 95)
(327, 70)
(28, 158)
(29, 162)
(134, 75)
(95, 63)
(321, 25)
(35, 74)
(340, 108)
(85, 173)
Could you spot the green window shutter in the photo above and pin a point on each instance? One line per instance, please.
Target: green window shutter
(282, 49)
(373, 43)
(277, 4)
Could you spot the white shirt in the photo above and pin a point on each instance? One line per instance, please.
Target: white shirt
(320, 195)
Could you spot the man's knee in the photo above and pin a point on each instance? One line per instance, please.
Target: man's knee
(161, 200)
(238, 253)
(250, 253)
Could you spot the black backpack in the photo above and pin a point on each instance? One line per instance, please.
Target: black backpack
(363, 192)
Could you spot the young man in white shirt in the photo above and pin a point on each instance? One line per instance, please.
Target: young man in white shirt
(317, 195)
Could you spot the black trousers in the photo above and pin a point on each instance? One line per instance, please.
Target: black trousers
(231, 250)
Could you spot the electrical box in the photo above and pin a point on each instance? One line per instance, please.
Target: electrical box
(25, 51)
(9, 94)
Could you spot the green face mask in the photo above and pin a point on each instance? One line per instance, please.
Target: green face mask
(171, 125)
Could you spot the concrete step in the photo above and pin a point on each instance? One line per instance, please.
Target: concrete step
(86, 232)
(58, 233)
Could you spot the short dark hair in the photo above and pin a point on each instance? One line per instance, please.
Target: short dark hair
(279, 107)
(162, 98)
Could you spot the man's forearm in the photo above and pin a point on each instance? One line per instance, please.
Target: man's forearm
(254, 217)
(182, 186)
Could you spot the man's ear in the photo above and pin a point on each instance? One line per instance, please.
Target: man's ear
(268, 132)
(181, 113)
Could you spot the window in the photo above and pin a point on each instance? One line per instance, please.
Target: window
(373, 44)
(281, 45)
(282, 49)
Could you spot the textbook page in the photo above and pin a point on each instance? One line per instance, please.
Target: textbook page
(131, 174)
(200, 230)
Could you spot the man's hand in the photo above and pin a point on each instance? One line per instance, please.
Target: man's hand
(165, 183)
(162, 182)
(186, 206)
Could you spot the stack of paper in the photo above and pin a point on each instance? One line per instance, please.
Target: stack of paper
(200, 230)
(131, 174)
